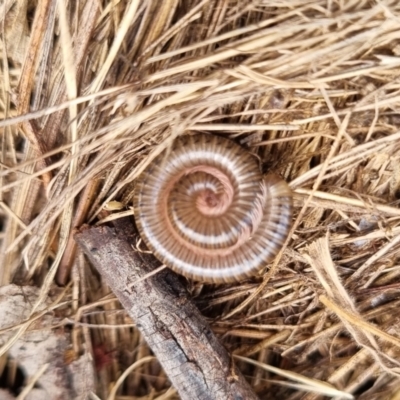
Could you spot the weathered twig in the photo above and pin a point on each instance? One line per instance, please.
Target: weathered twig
(196, 363)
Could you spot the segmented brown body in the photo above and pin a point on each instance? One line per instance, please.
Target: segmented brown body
(206, 211)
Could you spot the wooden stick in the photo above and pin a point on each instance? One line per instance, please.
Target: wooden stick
(196, 363)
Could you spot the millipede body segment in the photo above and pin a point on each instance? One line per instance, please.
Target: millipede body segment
(206, 211)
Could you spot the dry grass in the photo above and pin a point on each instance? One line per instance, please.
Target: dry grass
(91, 95)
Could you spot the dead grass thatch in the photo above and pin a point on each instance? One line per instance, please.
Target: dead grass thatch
(92, 91)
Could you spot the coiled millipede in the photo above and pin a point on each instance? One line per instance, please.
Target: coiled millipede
(206, 211)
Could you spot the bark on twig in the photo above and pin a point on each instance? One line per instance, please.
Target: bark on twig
(196, 363)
